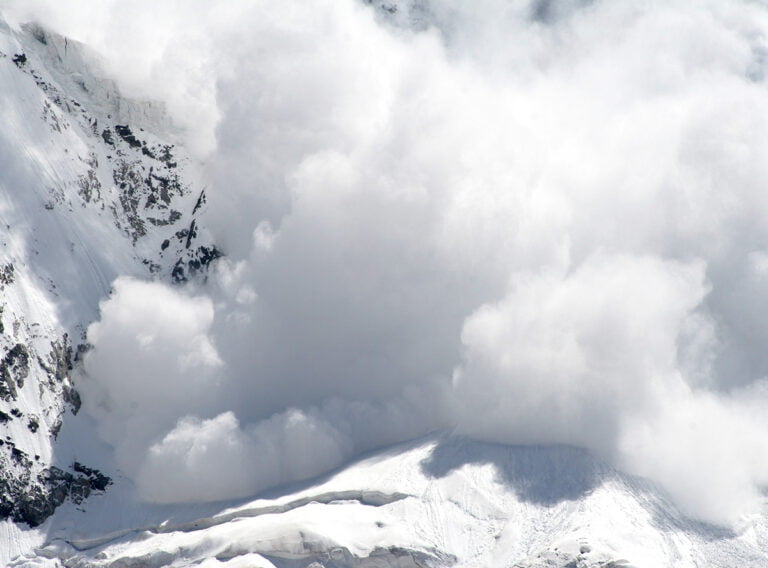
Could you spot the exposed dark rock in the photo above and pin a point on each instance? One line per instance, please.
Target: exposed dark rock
(89, 185)
(72, 398)
(145, 195)
(107, 136)
(125, 133)
(97, 480)
(20, 59)
(7, 275)
(200, 202)
(56, 428)
(60, 358)
(33, 424)
(53, 118)
(14, 368)
(166, 156)
(194, 262)
(57, 365)
(177, 274)
(172, 218)
(147, 152)
(52, 487)
(191, 234)
(154, 268)
(81, 350)
(127, 176)
(163, 187)
(20, 457)
(203, 257)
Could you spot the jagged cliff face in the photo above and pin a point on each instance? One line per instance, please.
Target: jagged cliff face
(92, 187)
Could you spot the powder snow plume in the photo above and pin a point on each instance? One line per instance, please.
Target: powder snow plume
(530, 221)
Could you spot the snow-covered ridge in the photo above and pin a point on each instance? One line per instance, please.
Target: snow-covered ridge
(441, 501)
(89, 190)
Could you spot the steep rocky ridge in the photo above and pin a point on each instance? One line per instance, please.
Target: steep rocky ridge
(92, 187)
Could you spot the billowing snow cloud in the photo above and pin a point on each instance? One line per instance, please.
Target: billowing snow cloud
(533, 221)
(154, 361)
(209, 459)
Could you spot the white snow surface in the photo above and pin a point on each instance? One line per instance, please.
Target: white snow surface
(439, 501)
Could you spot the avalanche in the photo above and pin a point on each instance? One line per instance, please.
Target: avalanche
(383, 284)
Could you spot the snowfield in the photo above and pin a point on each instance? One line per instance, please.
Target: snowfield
(441, 501)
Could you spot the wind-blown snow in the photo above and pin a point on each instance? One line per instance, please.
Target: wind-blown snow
(533, 221)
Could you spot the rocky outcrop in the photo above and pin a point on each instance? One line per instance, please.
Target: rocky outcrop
(31, 497)
(30, 486)
(135, 175)
(110, 194)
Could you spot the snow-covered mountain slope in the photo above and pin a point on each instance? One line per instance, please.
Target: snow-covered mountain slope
(86, 193)
(441, 501)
